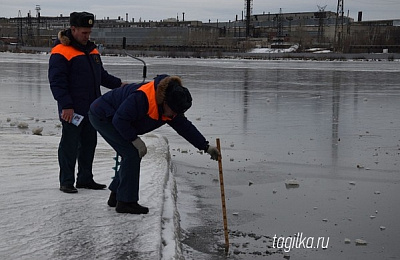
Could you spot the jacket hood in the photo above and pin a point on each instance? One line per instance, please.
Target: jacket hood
(162, 88)
(65, 38)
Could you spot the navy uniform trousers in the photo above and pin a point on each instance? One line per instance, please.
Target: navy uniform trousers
(78, 143)
(126, 182)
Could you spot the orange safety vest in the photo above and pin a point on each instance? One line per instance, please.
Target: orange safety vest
(150, 92)
(69, 52)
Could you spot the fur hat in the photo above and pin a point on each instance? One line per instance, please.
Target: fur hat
(81, 19)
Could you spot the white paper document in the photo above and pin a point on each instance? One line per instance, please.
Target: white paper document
(77, 119)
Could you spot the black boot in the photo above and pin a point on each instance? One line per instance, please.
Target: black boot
(68, 189)
(112, 200)
(91, 185)
(131, 207)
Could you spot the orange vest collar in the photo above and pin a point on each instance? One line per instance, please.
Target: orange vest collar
(69, 52)
(150, 93)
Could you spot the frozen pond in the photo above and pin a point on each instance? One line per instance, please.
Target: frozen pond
(331, 127)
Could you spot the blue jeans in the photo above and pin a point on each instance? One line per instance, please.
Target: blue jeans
(77, 143)
(126, 182)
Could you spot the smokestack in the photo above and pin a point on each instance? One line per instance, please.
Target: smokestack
(360, 16)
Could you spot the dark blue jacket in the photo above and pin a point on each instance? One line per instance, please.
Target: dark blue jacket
(128, 110)
(76, 73)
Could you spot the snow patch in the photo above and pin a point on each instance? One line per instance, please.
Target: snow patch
(292, 48)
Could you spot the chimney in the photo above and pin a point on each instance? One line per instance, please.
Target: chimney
(360, 16)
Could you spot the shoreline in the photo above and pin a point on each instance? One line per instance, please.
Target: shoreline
(235, 55)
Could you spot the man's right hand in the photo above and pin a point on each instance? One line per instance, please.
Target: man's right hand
(67, 114)
(214, 152)
(140, 146)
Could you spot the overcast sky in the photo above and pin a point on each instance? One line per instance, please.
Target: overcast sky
(205, 10)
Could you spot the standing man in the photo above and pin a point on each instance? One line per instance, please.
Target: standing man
(75, 75)
(121, 115)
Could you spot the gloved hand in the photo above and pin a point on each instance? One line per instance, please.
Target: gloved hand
(213, 151)
(140, 146)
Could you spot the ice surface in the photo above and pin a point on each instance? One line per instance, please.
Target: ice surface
(332, 126)
(39, 222)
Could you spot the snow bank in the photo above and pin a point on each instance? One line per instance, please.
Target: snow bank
(292, 48)
(37, 221)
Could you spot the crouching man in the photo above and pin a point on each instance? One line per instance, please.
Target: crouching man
(121, 115)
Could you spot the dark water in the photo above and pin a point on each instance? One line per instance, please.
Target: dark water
(333, 127)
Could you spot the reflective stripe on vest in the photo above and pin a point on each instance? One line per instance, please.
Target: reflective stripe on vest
(150, 92)
(69, 52)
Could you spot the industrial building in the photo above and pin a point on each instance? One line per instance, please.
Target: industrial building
(323, 29)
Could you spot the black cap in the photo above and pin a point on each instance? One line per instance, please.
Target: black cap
(81, 19)
(178, 98)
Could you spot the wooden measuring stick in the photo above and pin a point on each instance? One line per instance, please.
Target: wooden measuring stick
(221, 183)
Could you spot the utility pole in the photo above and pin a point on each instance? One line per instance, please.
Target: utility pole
(339, 27)
(280, 37)
(20, 39)
(38, 25)
(30, 39)
(321, 15)
(290, 19)
(248, 7)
